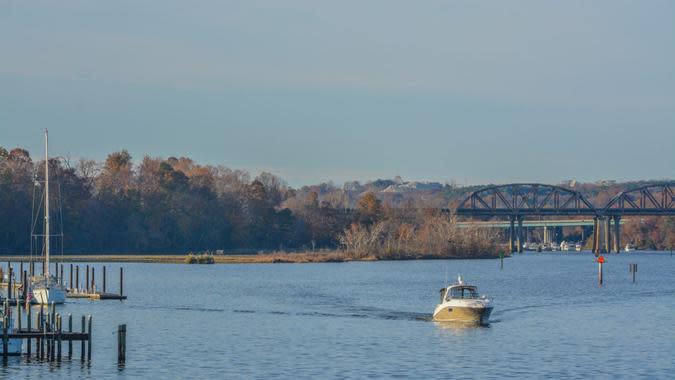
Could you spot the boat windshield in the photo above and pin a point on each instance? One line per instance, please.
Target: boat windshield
(463, 292)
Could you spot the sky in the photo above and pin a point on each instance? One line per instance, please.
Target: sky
(467, 91)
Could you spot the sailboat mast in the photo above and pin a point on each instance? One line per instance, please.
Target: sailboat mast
(46, 204)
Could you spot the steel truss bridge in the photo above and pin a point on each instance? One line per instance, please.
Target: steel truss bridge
(518, 201)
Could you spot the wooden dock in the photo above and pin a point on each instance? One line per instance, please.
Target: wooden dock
(46, 336)
(16, 291)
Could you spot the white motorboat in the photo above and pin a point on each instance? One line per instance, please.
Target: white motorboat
(578, 247)
(462, 303)
(46, 288)
(629, 248)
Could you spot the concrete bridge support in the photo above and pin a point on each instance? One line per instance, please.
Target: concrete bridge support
(602, 235)
(521, 234)
(617, 233)
(512, 235)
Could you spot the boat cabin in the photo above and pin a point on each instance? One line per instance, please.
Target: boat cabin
(459, 292)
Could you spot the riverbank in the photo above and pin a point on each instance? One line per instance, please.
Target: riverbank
(260, 258)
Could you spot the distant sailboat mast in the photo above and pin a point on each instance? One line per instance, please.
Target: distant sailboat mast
(46, 204)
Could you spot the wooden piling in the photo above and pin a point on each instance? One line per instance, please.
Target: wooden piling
(77, 278)
(70, 284)
(104, 279)
(92, 288)
(18, 314)
(600, 273)
(5, 339)
(10, 287)
(58, 337)
(86, 284)
(42, 329)
(121, 343)
(28, 322)
(61, 274)
(70, 341)
(121, 281)
(39, 343)
(632, 268)
(25, 286)
(82, 342)
(89, 338)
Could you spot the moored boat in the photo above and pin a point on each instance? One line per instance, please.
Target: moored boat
(46, 288)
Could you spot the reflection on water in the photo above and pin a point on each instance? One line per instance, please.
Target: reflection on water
(356, 320)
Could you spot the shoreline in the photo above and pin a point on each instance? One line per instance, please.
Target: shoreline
(255, 258)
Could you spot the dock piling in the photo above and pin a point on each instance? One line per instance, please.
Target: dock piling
(70, 341)
(28, 322)
(104, 279)
(58, 337)
(89, 338)
(82, 342)
(121, 281)
(5, 340)
(632, 268)
(121, 343)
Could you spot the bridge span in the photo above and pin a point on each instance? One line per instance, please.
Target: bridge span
(518, 201)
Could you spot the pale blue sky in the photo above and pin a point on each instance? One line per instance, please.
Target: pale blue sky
(483, 91)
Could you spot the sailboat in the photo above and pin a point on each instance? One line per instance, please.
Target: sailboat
(46, 288)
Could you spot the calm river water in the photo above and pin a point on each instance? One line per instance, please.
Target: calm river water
(372, 319)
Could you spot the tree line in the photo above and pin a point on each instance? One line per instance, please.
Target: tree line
(175, 205)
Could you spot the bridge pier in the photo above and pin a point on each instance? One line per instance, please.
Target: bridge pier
(608, 234)
(617, 233)
(596, 235)
(520, 234)
(512, 234)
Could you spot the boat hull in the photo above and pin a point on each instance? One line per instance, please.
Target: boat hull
(466, 314)
(47, 296)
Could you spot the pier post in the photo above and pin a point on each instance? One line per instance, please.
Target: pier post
(10, 286)
(58, 329)
(25, 286)
(42, 330)
(70, 331)
(82, 341)
(70, 284)
(86, 283)
(18, 315)
(5, 340)
(121, 281)
(93, 281)
(121, 343)
(77, 278)
(104, 279)
(61, 274)
(40, 324)
(632, 268)
(28, 323)
(89, 339)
